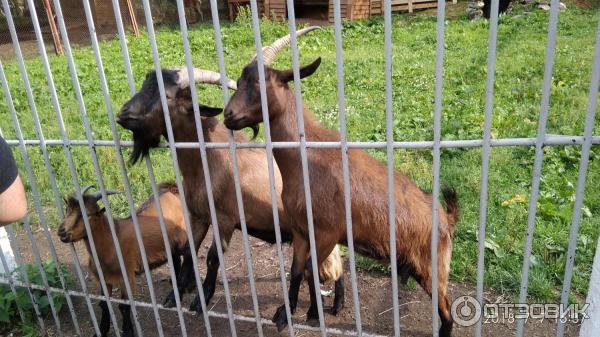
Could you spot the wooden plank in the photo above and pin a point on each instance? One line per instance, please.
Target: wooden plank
(132, 19)
(58, 49)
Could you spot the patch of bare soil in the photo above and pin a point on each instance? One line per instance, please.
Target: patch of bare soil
(374, 289)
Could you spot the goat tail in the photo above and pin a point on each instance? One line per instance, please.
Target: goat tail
(332, 268)
(451, 199)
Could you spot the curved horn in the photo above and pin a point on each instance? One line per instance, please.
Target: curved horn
(87, 188)
(269, 52)
(201, 76)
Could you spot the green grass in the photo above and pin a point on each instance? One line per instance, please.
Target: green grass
(520, 63)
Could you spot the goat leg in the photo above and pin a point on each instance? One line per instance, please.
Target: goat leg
(177, 266)
(280, 317)
(209, 284)
(313, 310)
(444, 307)
(105, 320)
(338, 300)
(127, 326)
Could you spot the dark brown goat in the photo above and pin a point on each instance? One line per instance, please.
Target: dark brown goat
(143, 115)
(368, 190)
(73, 229)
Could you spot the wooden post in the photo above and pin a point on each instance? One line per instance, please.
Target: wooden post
(266, 8)
(58, 49)
(131, 12)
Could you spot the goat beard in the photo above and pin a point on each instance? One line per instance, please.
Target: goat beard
(142, 143)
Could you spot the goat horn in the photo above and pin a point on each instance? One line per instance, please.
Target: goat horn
(269, 52)
(201, 76)
(87, 188)
(98, 195)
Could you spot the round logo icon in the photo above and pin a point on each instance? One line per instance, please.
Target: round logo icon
(466, 311)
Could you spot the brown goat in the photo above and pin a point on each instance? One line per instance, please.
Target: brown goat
(368, 190)
(73, 229)
(144, 116)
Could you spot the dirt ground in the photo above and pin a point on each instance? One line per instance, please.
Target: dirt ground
(374, 290)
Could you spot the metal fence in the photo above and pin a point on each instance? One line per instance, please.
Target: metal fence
(586, 141)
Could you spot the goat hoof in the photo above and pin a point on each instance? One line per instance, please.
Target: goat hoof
(196, 305)
(280, 318)
(337, 307)
(312, 314)
(170, 300)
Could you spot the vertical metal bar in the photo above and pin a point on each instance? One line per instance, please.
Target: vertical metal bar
(389, 114)
(304, 159)
(124, 48)
(132, 90)
(437, 134)
(13, 289)
(96, 164)
(339, 58)
(233, 155)
(539, 157)
(122, 168)
(54, 99)
(171, 140)
(583, 167)
(485, 156)
(269, 147)
(23, 271)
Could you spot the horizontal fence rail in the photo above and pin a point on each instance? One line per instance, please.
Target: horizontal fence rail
(129, 300)
(550, 140)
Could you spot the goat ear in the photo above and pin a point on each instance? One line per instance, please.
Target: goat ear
(207, 111)
(307, 70)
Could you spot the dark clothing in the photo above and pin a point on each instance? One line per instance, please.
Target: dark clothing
(8, 167)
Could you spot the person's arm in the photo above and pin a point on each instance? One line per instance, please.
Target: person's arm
(13, 204)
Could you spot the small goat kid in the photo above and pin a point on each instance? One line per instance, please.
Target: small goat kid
(144, 116)
(73, 229)
(368, 190)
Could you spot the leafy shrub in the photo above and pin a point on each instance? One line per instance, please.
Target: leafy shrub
(10, 302)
